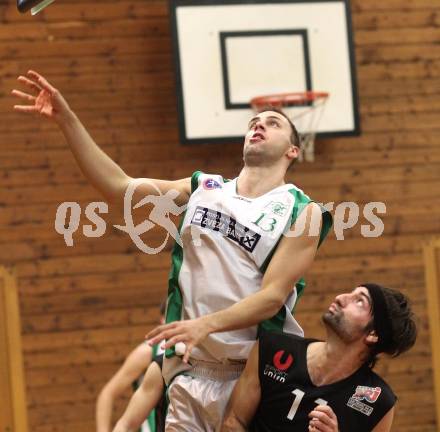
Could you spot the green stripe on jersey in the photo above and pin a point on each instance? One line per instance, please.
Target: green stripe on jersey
(175, 299)
(195, 180)
(151, 419)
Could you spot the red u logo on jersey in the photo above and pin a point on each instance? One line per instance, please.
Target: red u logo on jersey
(279, 364)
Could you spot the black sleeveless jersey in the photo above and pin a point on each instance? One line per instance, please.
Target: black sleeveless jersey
(288, 395)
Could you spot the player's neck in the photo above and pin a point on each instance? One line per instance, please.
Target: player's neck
(329, 362)
(255, 181)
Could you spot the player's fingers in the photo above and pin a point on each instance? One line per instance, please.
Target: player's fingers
(26, 109)
(23, 95)
(318, 426)
(153, 340)
(29, 83)
(173, 341)
(156, 339)
(156, 331)
(325, 409)
(321, 416)
(324, 425)
(189, 348)
(166, 335)
(42, 81)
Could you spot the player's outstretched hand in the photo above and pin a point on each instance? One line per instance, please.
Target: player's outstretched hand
(42, 98)
(190, 332)
(323, 419)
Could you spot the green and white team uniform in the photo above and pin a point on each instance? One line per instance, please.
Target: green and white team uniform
(228, 241)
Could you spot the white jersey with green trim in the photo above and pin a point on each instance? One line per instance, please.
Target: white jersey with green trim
(228, 241)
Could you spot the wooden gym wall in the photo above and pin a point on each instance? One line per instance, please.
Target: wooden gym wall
(84, 307)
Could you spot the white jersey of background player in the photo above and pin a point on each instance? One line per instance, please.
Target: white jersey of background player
(271, 144)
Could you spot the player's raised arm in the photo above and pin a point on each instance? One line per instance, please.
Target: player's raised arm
(245, 397)
(102, 172)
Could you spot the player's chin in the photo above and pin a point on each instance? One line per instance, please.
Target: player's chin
(253, 156)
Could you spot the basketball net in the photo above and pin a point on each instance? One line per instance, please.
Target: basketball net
(306, 121)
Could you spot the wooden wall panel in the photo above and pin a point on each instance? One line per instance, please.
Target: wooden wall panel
(83, 308)
(432, 272)
(13, 410)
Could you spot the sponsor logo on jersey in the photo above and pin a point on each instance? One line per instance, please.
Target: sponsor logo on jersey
(226, 225)
(275, 374)
(281, 363)
(210, 184)
(369, 394)
(277, 208)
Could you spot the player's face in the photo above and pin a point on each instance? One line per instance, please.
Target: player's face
(349, 315)
(268, 139)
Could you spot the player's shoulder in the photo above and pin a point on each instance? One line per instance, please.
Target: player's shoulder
(380, 382)
(270, 338)
(374, 386)
(143, 349)
(139, 358)
(207, 181)
(297, 192)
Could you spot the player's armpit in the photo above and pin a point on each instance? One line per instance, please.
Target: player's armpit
(245, 397)
(386, 422)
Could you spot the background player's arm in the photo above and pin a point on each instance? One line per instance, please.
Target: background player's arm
(146, 397)
(134, 366)
(386, 422)
(292, 259)
(245, 397)
(99, 169)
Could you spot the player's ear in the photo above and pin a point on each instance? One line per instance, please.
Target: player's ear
(293, 152)
(371, 338)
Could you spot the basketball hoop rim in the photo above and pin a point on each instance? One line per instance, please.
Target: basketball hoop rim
(288, 99)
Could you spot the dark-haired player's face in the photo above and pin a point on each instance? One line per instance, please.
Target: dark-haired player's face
(267, 139)
(349, 315)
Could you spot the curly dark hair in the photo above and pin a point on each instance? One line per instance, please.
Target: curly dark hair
(403, 326)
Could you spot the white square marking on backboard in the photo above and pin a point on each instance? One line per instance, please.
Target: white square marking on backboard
(202, 97)
(253, 65)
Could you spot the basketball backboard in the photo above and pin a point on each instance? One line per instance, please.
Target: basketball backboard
(230, 51)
